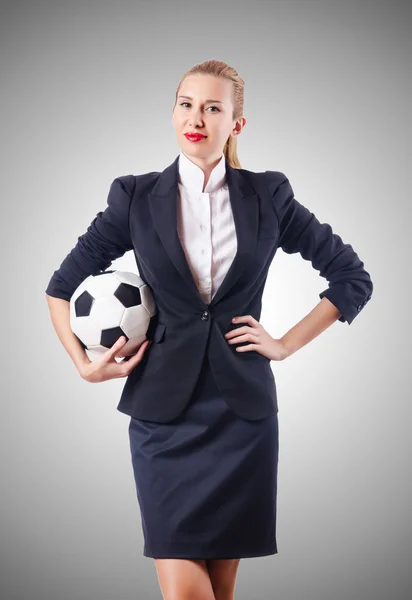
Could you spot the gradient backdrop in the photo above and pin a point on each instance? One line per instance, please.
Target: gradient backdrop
(87, 91)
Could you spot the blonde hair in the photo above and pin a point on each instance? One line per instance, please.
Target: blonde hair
(219, 68)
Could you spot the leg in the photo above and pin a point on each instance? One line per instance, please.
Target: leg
(184, 579)
(223, 577)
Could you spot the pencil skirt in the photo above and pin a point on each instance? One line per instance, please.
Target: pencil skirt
(206, 482)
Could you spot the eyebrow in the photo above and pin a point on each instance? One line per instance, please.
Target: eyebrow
(190, 98)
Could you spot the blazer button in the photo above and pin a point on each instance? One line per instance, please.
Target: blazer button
(205, 315)
(360, 307)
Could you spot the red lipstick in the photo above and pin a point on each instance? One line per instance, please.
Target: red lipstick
(195, 137)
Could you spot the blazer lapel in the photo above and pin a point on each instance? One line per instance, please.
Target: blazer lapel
(245, 207)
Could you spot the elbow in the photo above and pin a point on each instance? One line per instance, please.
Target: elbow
(350, 297)
(363, 296)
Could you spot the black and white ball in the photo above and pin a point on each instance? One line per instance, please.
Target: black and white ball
(109, 305)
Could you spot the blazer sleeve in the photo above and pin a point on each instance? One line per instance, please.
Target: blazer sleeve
(349, 284)
(106, 238)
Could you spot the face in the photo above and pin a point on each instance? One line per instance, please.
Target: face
(199, 114)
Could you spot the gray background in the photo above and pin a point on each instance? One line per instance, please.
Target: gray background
(87, 93)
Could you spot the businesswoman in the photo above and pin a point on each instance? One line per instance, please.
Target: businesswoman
(203, 414)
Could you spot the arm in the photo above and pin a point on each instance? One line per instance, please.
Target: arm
(106, 239)
(103, 368)
(320, 318)
(350, 286)
(60, 316)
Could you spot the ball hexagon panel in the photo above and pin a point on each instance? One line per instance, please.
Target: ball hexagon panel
(148, 300)
(135, 322)
(104, 284)
(86, 330)
(107, 312)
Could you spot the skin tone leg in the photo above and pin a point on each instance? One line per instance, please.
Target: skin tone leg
(223, 577)
(184, 579)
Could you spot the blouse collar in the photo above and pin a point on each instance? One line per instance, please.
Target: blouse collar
(192, 177)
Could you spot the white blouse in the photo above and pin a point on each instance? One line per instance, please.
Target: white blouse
(205, 224)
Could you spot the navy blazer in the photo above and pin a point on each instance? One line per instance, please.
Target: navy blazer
(141, 216)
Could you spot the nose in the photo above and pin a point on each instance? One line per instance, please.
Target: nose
(196, 120)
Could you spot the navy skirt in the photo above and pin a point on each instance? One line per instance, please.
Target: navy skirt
(206, 482)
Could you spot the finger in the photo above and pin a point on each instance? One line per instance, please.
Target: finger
(115, 348)
(130, 356)
(133, 360)
(247, 348)
(246, 337)
(241, 318)
(241, 329)
(246, 318)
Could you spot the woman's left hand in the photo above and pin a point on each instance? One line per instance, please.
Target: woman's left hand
(254, 332)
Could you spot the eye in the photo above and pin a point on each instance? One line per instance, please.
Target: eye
(209, 106)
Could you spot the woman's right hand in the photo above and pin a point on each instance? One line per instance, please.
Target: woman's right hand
(106, 367)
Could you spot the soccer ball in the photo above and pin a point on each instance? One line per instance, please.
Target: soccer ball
(109, 305)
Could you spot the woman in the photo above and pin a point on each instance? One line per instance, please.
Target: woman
(204, 439)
